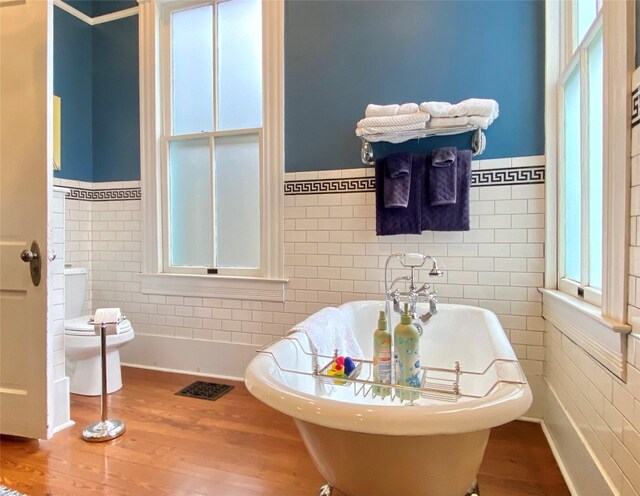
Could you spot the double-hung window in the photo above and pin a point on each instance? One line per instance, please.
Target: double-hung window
(212, 134)
(588, 59)
(581, 152)
(212, 147)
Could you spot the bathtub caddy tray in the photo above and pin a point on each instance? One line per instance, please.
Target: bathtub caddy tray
(436, 383)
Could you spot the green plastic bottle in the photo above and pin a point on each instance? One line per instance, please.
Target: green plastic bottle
(382, 356)
(406, 344)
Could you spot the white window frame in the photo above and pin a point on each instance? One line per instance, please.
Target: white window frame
(570, 60)
(166, 92)
(270, 284)
(600, 330)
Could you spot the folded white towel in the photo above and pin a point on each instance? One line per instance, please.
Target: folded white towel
(107, 315)
(365, 131)
(374, 110)
(396, 120)
(472, 120)
(408, 108)
(472, 106)
(327, 331)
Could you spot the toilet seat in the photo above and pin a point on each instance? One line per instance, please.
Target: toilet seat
(80, 326)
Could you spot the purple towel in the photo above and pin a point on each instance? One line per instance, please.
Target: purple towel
(443, 176)
(397, 180)
(400, 220)
(454, 217)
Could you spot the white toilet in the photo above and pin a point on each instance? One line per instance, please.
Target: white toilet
(82, 345)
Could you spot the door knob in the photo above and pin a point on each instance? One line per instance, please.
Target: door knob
(28, 256)
(32, 256)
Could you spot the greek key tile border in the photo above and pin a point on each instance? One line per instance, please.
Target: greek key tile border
(325, 186)
(635, 104)
(119, 194)
(508, 177)
(488, 177)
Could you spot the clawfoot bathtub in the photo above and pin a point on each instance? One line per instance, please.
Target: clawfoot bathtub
(365, 445)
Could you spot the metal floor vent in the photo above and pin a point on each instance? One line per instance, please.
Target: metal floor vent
(205, 390)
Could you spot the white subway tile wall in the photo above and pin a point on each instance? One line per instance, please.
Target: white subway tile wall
(56, 282)
(332, 255)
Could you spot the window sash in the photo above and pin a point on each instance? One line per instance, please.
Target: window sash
(168, 136)
(572, 60)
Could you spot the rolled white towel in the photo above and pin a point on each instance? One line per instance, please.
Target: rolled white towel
(472, 120)
(396, 120)
(365, 131)
(436, 109)
(374, 110)
(408, 108)
(472, 106)
(107, 315)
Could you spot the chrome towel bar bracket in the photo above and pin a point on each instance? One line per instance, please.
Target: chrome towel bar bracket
(478, 140)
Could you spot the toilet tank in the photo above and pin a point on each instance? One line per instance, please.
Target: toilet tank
(75, 281)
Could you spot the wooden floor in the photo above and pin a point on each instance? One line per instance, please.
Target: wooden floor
(235, 446)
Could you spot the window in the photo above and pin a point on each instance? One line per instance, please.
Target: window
(212, 147)
(589, 55)
(581, 159)
(212, 137)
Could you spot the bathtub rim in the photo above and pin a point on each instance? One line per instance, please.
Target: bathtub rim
(501, 406)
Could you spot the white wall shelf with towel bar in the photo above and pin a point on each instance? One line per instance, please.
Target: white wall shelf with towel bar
(478, 139)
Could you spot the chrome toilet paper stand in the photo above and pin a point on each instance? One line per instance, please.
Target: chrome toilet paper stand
(105, 429)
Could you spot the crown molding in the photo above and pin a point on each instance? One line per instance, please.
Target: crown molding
(92, 21)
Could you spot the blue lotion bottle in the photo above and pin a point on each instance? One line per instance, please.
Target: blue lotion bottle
(406, 345)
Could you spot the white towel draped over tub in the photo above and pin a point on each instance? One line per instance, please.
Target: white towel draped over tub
(327, 331)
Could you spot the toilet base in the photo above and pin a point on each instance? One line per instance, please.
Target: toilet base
(85, 376)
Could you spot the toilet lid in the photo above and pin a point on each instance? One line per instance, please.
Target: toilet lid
(81, 326)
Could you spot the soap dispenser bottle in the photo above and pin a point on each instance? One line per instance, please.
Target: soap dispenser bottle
(406, 345)
(382, 356)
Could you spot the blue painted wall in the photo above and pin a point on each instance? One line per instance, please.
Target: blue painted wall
(72, 58)
(116, 122)
(95, 8)
(103, 7)
(342, 55)
(96, 75)
(84, 6)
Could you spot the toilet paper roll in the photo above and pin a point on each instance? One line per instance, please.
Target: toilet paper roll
(108, 316)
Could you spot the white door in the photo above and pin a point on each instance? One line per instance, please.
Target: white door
(25, 178)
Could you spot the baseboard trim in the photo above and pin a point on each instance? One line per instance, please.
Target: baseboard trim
(61, 418)
(554, 451)
(186, 372)
(578, 455)
(556, 454)
(532, 420)
(62, 427)
(188, 356)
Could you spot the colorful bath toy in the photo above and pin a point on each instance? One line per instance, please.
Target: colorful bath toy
(349, 366)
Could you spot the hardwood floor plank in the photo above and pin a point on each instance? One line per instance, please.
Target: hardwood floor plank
(235, 446)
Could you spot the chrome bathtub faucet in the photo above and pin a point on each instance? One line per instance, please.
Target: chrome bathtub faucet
(414, 294)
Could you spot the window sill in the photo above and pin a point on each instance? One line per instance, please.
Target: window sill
(602, 338)
(214, 286)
